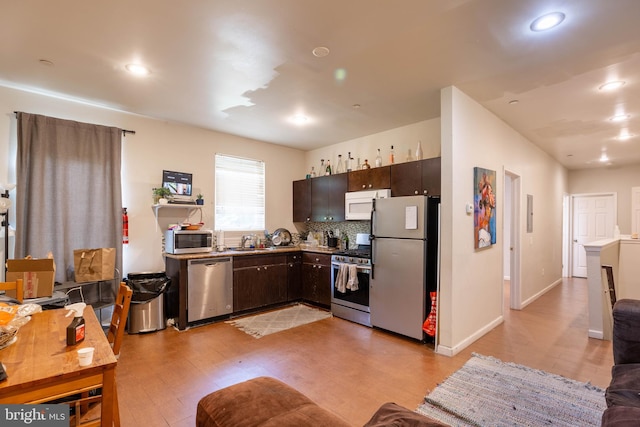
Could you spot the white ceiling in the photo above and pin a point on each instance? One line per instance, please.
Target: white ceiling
(245, 66)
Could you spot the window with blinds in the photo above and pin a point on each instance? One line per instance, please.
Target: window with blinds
(239, 195)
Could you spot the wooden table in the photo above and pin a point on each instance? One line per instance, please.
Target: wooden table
(41, 367)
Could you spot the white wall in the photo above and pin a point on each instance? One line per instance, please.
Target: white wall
(159, 145)
(607, 180)
(471, 280)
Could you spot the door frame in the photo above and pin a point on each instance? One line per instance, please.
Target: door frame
(569, 242)
(515, 300)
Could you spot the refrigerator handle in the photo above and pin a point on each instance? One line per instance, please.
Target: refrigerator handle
(373, 209)
(372, 238)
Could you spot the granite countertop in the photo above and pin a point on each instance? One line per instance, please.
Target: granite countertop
(257, 251)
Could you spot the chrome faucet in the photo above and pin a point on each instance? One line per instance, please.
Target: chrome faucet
(246, 237)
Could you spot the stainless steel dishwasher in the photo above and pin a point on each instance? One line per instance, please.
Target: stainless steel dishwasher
(209, 288)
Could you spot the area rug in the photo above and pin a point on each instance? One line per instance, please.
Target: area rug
(489, 392)
(279, 320)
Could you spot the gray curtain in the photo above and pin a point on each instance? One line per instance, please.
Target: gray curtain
(68, 193)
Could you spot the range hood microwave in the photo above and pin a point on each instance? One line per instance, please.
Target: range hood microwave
(358, 204)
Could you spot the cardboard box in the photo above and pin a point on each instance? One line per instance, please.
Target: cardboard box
(38, 276)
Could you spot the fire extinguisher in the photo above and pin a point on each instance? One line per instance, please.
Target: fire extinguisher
(125, 227)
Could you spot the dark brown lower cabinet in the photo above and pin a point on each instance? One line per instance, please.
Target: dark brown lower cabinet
(316, 282)
(294, 277)
(258, 281)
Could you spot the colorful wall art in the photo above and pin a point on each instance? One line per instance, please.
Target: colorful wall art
(484, 200)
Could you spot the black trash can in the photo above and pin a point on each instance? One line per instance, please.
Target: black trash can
(146, 313)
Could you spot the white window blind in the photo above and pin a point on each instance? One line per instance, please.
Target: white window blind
(239, 193)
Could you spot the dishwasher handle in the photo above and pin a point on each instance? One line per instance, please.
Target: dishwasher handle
(209, 262)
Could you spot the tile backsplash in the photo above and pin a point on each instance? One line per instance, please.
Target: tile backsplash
(349, 228)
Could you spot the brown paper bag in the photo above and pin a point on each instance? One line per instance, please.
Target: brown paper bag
(92, 265)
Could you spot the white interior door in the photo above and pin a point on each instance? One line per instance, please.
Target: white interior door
(635, 210)
(593, 219)
(512, 237)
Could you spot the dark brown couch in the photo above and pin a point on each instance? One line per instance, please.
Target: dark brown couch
(267, 402)
(623, 393)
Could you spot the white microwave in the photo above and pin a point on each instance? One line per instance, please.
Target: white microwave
(358, 204)
(188, 241)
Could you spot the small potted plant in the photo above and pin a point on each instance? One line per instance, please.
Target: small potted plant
(199, 200)
(160, 195)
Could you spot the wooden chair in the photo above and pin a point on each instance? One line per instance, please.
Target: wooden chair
(115, 333)
(119, 318)
(16, 286)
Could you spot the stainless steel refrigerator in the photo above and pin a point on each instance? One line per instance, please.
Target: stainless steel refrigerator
(404, 251)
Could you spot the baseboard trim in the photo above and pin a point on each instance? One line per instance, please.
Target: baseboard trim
(452, 351)
(596, 334)
(539, 294)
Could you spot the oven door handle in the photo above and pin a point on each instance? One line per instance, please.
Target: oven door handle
(365, 268)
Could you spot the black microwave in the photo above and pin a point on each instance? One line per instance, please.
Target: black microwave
(188, 241)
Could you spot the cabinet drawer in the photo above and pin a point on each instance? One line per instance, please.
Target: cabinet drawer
(316, 258)
(254, 260)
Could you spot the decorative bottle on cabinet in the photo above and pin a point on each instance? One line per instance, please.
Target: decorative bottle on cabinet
(419, 151)
(378, 159)
(327, 171)
(340, 167)
(349, 161)
(366, 164)
(392, 157)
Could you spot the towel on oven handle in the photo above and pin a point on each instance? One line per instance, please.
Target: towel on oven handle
(352, 282)
(341, 278)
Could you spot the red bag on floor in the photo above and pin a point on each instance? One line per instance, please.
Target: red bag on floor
(429, 325)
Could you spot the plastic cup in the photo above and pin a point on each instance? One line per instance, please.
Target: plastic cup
(85, 356)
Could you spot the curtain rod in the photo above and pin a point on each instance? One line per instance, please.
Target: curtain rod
(124, 131)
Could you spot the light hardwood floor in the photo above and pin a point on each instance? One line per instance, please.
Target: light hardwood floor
(346, 368)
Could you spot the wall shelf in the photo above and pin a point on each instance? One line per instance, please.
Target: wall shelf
(191, 208)
(174, 213)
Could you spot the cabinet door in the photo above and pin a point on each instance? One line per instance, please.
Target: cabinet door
(406, 179)
(323, 290)
(258, 286)
(302, 200)
(327, 197)
(316, 278)
(320, 190)
(274, 284)
(339, 186)
(245, 282)
(294, 277)
(369, 179)
(431, 176)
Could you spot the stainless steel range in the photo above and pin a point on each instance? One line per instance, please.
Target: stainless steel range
(350, 272)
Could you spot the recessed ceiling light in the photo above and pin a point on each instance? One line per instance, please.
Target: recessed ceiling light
(604, 158)
(320, 51)
(620, 117)
(356, 106)
(613, 85)
(299, 119)
(137, 69)
(546, 22)
(46, 62)
(513, 102)
(625, 136)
